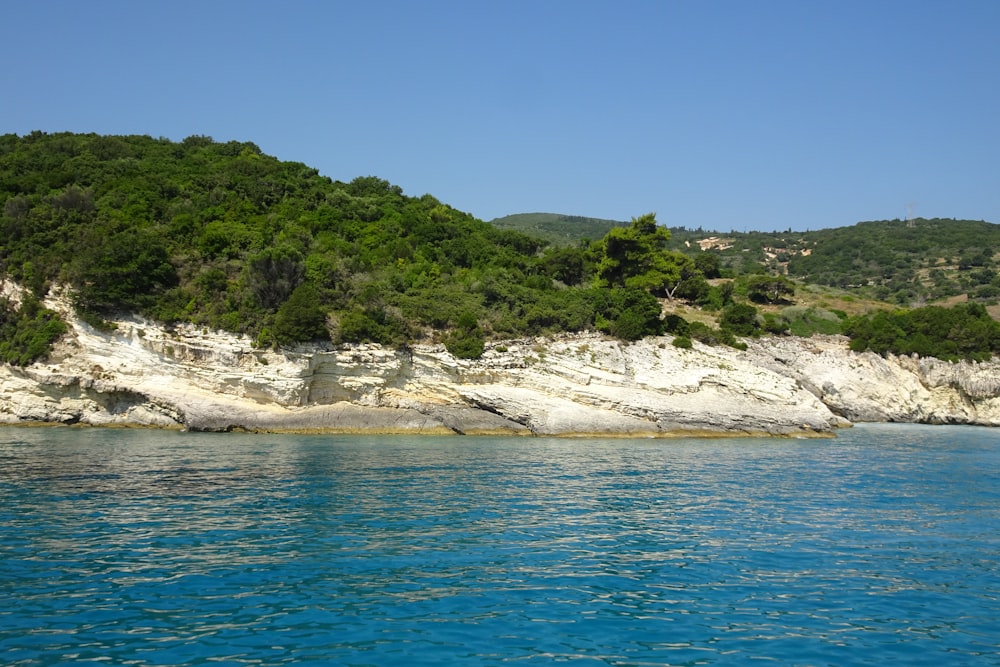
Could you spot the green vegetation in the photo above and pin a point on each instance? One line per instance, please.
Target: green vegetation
(962, 332)
(683, 342)
(809, 320)
(467, 340)
(559, 230)
(740, 319)
(769, 289)
(27, 332)
(221, 235)
(906, 262)
(902, 262)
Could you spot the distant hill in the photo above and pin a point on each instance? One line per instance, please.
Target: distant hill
(557, 228)
(906, 262)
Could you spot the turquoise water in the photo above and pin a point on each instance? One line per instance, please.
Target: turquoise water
(881, 546)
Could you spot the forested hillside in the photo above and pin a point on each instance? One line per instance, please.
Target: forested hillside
(558, 229)
(907, 262)
(221, 235)
(903, 262)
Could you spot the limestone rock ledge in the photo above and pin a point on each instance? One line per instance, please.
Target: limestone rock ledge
(865, 387)
(143, 374)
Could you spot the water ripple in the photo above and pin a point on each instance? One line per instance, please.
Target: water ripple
(155, 548)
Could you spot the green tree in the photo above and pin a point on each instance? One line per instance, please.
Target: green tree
(709, 264)
(740, 319)
(467, 341)
(691, 285)
(769, 289)
(566, 264)
(300, 318)
(637, 257)
(273, 274)
(123, 270)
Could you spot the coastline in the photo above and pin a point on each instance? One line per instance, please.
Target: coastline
(581, 385)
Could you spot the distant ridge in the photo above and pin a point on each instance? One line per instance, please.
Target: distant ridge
(558, 228)
(905, 262)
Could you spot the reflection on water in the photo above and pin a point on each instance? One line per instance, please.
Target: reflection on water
(156, 548)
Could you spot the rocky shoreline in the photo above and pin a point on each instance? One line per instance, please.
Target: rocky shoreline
(142, 374)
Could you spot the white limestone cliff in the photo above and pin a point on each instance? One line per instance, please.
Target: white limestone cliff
(144, 374)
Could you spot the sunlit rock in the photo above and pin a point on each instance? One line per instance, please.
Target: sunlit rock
(144, 374)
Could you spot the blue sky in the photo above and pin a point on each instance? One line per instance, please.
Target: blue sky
(765, 114)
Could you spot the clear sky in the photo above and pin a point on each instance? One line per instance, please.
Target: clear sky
(748, 114)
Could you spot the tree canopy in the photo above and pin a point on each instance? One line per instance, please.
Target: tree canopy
(637, 256)
(222, 235)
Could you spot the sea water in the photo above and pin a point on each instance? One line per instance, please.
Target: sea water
(131, 547)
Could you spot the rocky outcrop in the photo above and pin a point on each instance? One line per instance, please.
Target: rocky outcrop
(865, 387)
(146, 375)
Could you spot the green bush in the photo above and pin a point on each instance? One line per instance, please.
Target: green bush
(372, 325)
(467, 340)
(300, 318)
(775, 324)
(629, 325)
(806, 321)
(740, 319)
(27, 333)
(465, 345)
(677, 325)
(628, 313)
(683, 342)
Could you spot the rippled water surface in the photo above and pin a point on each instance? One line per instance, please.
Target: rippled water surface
(881, 546)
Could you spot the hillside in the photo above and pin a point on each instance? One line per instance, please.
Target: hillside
(224, 237)
(902, 262)
(558, 229)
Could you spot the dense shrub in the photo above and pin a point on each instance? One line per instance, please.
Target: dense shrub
(300, 318)
(965, 331)
(677, 325)
(629, 313)
(27, 332)
(371, 325)
(806, 321)
(467, 340)
(703, 333)
(740, 319)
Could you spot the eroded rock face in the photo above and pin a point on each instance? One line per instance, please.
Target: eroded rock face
(142, 374)
(865, 387)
